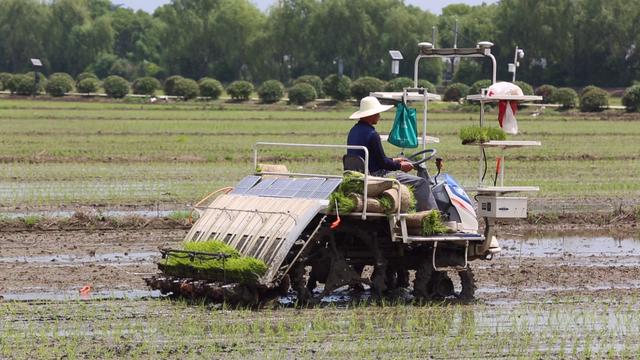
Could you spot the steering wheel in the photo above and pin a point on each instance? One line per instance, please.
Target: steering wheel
(413, 158)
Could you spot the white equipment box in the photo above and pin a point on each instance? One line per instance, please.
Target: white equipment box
(502, 207)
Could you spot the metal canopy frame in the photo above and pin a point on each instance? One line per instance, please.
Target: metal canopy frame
(482, 50)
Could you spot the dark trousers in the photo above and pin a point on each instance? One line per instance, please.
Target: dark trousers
(421, 189)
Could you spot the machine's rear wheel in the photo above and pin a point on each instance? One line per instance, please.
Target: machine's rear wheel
(421, 283)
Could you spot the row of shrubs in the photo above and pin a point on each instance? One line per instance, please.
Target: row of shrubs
(303, 90)
(590, 98)
(58, 84)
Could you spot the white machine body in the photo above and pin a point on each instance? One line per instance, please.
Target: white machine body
(502, 207)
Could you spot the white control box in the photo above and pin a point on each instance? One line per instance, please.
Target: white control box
(501, 207)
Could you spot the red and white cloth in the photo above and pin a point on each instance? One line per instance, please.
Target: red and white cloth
(507, 116)
(506, 109)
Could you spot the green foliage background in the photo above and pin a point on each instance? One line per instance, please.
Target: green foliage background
(568, 42)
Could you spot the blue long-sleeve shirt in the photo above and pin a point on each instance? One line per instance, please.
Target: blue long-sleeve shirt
(364, 134)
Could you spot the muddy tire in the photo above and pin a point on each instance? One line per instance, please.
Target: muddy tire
(441, 285)
(468, 285)
(421, 288)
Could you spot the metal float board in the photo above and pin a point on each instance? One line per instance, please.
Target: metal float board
(245, 184)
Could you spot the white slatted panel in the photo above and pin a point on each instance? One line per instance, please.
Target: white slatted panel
(260, 227)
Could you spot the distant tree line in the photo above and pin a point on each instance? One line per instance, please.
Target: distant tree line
(567, 42)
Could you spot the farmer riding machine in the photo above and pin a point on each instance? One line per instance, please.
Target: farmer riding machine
(278, 231)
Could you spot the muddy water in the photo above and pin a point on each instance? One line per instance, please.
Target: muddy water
(106, 213)
(55, 265)
(567, 296)
(79, 260)
(71, 295)
(576, 246)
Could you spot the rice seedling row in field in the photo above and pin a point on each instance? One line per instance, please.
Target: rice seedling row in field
(74, 152)
(570, 328)
(180, 183)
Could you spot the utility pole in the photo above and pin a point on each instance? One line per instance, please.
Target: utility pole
(519, 54)
(433, 36)
(455, 46)
(455, 35)
(37, 65)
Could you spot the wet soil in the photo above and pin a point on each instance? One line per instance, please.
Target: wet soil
(62, 261)
(622, 220)
(539, 265)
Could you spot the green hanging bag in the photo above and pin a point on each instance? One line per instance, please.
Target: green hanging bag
(404, 132)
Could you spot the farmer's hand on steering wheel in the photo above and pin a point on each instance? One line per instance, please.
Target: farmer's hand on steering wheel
(406, 166)
(413, 158)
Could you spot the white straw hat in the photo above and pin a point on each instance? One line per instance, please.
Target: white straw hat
(369, 106)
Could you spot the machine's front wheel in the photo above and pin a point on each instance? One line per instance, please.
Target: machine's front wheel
(468, 285)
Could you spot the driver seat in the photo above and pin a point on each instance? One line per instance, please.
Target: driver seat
(353, 163)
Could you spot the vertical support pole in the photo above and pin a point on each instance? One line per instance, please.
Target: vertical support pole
(502, 164)
(481, 163)
(366, 183)
(480, 166)
(424, 122)
(255, 157)
(515, 64)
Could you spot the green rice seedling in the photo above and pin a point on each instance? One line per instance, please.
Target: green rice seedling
(245, 269)
(473, 134)
(476, 134)
(386, 203)
(31, 220)
(432, 224)
(495, 133)
(352, 182)
(215, 246)
(412, 199)
(345, 203)
(235, 268)
(180, 215)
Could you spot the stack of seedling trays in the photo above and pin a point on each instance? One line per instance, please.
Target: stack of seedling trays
(384, 197)
(210, 270)
(213, 261)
